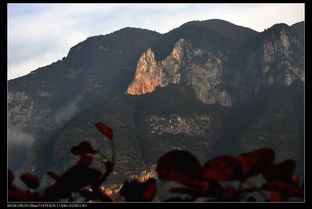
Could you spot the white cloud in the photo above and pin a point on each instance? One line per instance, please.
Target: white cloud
(31, 64)
(260, 16)
(45, 35)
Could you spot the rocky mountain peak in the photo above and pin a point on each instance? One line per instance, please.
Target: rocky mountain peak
(280, 52)
(151, 73)
(299, 29)
(274, 59)
(227, 29)
(213, 62)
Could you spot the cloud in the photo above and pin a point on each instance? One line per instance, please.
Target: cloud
(33, 63)
(39, 34)
(260, 16)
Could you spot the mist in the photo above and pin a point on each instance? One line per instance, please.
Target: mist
(67, 112)
(18, 143)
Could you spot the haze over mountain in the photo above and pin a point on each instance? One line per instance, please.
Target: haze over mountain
(209, 87)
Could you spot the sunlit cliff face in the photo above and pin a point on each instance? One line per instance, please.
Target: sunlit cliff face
(207, 71)
(151, 73)
(148, 75)
(202, 77)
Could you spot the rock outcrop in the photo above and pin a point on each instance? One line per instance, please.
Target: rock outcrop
(273, 59)
(198, 125)
(197, 68)
(61, 102)
(151, 73)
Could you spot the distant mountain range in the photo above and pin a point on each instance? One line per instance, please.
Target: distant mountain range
(209, 87)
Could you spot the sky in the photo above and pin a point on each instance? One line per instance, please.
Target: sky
(39, 34)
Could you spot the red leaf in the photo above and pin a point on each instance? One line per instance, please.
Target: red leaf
(193, 192)
(86, 194)
(11, 177)
(105, 130)
(223, 168)
(30, 180)
(53, 193)
(139, 191)
(285, 189)
(181, 167)
(179, 199)
(84, 161)
(149, 189)
(53, 175)
(274, 197)
(295, 181)
(77, 177)
(251, 199)
(17, 195)
(230, 194)
(83, 148)
(253, 163)
(282, 172)
(106, 198)
(213, 189)
(96, 196)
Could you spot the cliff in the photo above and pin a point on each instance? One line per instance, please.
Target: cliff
(272, 58)
(208, 87)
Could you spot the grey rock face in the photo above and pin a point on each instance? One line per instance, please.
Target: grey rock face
(175, 124)
(29, 124)
(197, 68)
(23, 111)
(278, 58)
(206, 75)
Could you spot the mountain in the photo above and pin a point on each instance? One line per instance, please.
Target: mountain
(209, 87)
(40, 103)
(207, 69)
(299, 29)
(227, 29)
